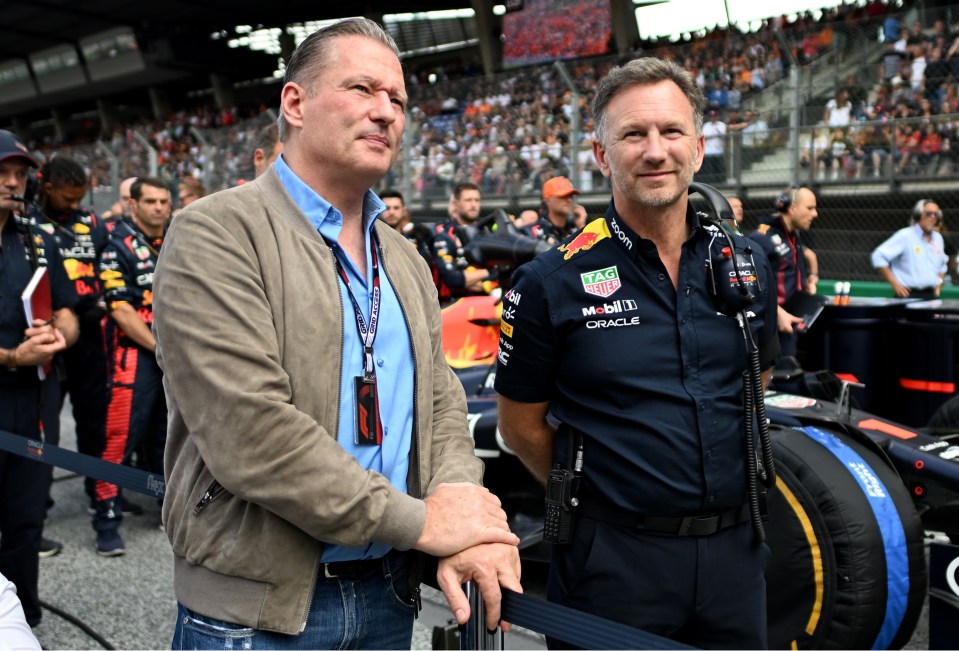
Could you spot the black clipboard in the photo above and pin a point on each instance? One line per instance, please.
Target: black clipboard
(807, 307)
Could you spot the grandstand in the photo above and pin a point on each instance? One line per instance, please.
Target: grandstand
(869, 159)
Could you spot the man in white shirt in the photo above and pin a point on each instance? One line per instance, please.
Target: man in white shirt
(913, 260)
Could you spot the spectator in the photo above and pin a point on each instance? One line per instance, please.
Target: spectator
(896, 259)
(756, 131)
(857, 96)
(838, 110)
(876, 143)
(713, 169)
(369, 454)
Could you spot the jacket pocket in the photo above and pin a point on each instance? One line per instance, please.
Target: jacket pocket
(213, 492)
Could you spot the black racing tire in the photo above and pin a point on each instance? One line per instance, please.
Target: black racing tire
(847, 569)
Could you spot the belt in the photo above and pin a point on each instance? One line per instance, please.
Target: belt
(690, 525)
(351, 569)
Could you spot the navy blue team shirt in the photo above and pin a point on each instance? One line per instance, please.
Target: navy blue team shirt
(651, 375)
(15, 273)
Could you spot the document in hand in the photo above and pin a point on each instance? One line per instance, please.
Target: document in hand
(806, 306)
(38, 304)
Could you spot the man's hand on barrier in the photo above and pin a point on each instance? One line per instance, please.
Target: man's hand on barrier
(491, 566)
(460, 516)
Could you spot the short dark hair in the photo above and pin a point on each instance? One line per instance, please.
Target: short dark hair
(266, 138)
(640, 72)
(62, 170)
(314, 54)
(194, 185)
(392, 194)
(136, 190)
(461, 187)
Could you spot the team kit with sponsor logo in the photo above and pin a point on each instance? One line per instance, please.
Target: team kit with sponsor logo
(598, 319)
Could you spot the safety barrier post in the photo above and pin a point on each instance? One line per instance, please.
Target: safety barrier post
(474, 633)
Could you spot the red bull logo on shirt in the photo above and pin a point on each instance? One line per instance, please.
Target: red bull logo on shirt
(602, 282)
(594, 231)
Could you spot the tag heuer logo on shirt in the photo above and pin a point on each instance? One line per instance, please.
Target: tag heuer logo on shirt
(602, 282)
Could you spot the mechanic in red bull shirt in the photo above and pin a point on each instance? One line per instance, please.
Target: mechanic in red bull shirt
(612, 343)
(80, 236)
(136, 411)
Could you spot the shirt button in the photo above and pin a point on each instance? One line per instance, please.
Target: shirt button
(712, 498)
(683, 322)
(702, 405)
(380, 362)
(662, 276)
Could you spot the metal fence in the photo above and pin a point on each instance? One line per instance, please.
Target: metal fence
(510, 132)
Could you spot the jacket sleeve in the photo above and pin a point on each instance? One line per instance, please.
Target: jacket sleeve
(231, 396)
(452, 456)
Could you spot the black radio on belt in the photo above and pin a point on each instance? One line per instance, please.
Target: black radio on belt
(560, 504)
(562, 485)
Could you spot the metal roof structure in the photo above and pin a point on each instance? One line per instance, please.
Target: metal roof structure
(60, 52)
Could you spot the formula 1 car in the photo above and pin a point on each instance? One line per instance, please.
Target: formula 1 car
(853, 496)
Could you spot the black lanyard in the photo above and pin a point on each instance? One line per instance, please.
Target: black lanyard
(367, 335)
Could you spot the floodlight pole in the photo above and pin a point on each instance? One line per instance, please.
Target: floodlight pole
(575, 135)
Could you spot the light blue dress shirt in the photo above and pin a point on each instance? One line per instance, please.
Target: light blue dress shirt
(392, 352)
(915, 261)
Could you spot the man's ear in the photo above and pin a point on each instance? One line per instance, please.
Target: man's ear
(291, 103)
(599, 153)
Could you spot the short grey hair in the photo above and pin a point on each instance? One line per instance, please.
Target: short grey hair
(643, 71)
(315, 53)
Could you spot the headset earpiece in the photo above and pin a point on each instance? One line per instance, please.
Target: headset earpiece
(919, 209)
(785, 200)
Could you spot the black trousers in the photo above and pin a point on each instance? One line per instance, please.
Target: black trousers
(24, 485)
(86, 382)
(708, 592)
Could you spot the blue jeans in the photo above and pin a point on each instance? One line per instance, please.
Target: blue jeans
(374, 611)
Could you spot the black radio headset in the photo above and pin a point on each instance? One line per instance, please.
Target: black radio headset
(733, 299)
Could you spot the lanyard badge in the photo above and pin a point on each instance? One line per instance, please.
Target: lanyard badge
(368, 427)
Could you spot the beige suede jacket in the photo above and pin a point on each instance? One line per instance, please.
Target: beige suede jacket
(249, 328)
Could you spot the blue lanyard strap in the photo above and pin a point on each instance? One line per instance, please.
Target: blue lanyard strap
(367, 334)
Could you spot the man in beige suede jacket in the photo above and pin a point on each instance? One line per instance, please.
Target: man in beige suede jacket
(316, 433)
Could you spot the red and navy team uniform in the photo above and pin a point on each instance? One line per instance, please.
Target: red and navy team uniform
(136, 411)
(449, 240)
(28, 407)
(81, 236)
(784, 250)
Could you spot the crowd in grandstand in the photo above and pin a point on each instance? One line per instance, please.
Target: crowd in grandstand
(508, 133)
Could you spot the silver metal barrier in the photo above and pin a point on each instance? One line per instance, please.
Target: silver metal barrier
(474, 634)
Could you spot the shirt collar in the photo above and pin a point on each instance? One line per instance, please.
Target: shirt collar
(630, 240)
(320, 212)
